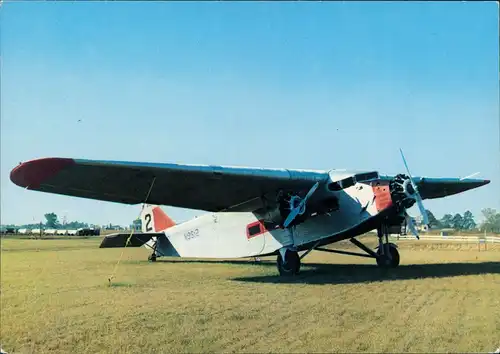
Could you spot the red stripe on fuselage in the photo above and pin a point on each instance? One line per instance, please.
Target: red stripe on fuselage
(382, 194)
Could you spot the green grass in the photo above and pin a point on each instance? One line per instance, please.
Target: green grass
(56, 297)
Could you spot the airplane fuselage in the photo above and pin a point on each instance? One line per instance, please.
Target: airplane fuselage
(252, 211)
(248, 234)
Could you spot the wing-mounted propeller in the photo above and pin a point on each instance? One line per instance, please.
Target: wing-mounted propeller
(298, 205)
(405, 192)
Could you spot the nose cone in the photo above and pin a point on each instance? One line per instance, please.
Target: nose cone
(410, 189)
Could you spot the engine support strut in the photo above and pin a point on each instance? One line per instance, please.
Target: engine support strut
(345, 252)
(363, 247)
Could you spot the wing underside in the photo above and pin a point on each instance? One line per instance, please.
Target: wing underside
(210, 188)
(432, 188)
(202, 187)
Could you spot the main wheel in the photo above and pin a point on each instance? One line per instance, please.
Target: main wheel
(385, 261)
(152, 258)
(291, 266)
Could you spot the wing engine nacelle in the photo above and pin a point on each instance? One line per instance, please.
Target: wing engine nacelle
(288, 201)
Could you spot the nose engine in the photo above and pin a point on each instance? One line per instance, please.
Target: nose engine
(403, 194)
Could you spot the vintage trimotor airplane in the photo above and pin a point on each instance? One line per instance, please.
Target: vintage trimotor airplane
(252, 211)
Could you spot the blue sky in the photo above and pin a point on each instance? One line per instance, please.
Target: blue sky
(296, 85)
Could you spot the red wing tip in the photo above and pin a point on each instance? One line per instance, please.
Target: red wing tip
(31, 174)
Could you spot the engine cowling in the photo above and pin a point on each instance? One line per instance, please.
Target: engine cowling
(286, 202)
(402, 192)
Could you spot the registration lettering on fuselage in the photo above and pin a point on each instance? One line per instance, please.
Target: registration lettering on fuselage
(191, 234)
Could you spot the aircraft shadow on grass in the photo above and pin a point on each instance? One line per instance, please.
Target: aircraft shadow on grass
(325, 273)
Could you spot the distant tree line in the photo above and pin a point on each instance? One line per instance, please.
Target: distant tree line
(492, 220)
(52, 222)
(466, 221)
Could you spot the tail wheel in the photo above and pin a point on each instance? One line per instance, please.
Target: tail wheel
(388, 262)
(291, 266)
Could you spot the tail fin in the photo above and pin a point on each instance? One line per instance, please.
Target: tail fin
(154, 219)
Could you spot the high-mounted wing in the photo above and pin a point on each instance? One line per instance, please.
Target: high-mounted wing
(432, 188)
(203, 187)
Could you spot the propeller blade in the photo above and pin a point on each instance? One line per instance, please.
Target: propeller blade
(295, 211)
(293, 214)
(411, 225)
(311, 191)
(406, 165)
(425, 218)
(420, 204)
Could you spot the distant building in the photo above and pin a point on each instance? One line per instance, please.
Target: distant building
(8, 230)
(446, 232)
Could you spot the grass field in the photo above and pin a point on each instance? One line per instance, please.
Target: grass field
(55, 297)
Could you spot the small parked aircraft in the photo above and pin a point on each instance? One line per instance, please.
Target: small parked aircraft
(253, 212)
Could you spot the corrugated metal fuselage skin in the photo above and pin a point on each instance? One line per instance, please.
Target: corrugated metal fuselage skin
(226, 235)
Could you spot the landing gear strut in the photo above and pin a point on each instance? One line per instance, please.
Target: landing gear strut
(288, 261)
(386, 254)
(152, 256)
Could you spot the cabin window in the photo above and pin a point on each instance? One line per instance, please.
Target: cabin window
(367, 176)
(348, 182)
(334, 186)
(254, 230)
(259, 227)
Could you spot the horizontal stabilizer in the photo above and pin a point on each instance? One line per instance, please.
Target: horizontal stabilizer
(120, 239)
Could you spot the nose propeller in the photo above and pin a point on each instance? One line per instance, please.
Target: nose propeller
(412, 187)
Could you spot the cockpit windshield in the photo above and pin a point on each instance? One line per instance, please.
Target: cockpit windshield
(352, 180)
(366, 176)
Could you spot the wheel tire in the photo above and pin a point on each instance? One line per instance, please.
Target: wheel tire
(152, 258)
(292, 265)
(384, 261)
